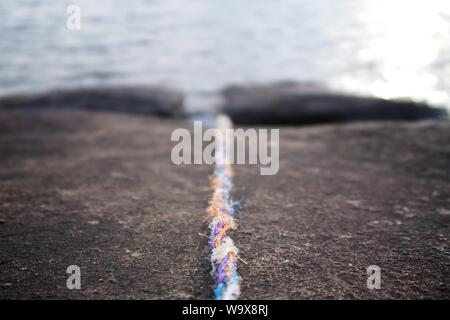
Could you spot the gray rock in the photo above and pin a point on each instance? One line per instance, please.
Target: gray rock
(138, 100)
(67, 180)
(304, 103)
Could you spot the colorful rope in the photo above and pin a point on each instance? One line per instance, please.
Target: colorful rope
(224, 254)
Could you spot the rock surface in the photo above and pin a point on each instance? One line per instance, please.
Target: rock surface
(308, 103)
(139, 100)
(98, 190)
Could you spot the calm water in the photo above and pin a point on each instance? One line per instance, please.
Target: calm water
(387, 48)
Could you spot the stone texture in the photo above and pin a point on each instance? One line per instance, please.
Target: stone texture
(99, 190)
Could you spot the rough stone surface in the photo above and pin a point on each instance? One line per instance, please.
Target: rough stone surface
(99, 190)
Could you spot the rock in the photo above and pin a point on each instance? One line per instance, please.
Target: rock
(297, 215)
(443, 211)
(308, 103)
(138, 100)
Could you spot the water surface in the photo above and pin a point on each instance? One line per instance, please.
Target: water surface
(386, 48)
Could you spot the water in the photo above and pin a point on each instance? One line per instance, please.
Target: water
(385, 48)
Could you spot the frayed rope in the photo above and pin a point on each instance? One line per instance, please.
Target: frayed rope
(221, 210)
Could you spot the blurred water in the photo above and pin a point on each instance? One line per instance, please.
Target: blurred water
(396, 48)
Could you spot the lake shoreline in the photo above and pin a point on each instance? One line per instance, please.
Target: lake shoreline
(279, 103)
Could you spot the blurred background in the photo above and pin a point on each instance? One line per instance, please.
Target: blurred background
(391, 49)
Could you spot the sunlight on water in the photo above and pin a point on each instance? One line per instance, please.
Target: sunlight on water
(404, 39)
(397, 48)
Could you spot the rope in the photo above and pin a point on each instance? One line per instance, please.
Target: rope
(224, 254)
